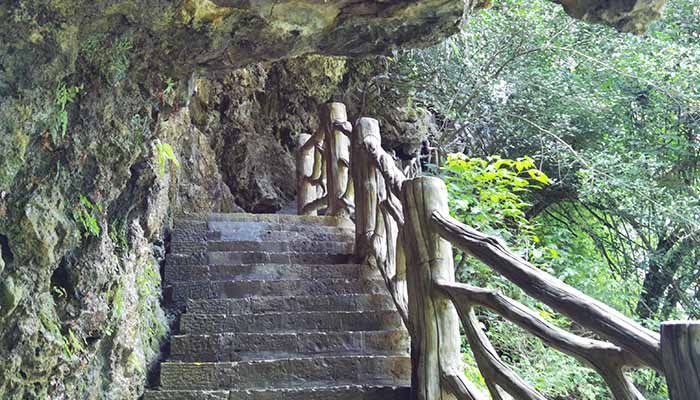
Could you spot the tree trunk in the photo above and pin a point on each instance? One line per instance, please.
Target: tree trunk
(658, 278)
(680, 349)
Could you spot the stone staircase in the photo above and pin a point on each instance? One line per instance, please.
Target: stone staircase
(276, 309)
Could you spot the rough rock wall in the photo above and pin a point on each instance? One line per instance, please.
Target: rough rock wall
(98, 100)
(85, 212)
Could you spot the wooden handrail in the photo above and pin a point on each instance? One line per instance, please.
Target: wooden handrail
(403, 228)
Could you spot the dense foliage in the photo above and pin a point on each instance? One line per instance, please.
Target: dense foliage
(613, 121)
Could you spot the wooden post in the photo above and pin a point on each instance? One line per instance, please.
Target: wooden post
(680, 351)
(435, 341)
(369, 184)
(306, 191)
(337, 155)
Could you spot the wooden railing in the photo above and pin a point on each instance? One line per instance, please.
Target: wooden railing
(404, 229)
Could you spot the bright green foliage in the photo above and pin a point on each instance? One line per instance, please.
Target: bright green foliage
(490, 195)
(169, 86)
(64, 96)
(164, 153)
(487, 194)
(86, 214)
(614, 120)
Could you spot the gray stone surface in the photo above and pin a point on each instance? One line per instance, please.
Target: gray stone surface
(184, 273)
(268, 345)
(250, 305)
(276, 309)
(286, 373)
(319, 321)
(182, 291)
(349, 392)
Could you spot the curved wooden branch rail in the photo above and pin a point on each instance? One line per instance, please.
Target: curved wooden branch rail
(607, 359)
(580, 308)
(403, 228)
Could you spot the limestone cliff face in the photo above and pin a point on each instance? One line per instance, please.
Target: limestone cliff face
(117, 115)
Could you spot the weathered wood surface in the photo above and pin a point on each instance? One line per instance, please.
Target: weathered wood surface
(376, 231)
(306, 190)
(392, 174)
(680, 347)
(607, 359)
(337, 157)
(586, 311)
(435, 339)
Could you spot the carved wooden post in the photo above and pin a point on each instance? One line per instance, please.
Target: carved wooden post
(369, 183)
(680, 351)
(435, 341)
(337, 155)
(306, 191)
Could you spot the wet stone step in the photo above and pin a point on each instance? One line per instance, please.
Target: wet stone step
(286, 373)
(315, 321)
(350, 392)
(183, 273)
(260, 346)
(182, 291)
(256, 305)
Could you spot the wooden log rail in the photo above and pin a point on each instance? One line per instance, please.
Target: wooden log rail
(404, 229)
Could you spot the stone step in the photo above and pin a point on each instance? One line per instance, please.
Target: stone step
(182, 291)
(286, 373)
(278, 241)
(256, 305)
(183, 273)
(265, 231)
(296, 246)
(334, 392)
(277, 218)
(315, 321)
(256, 257)
(267, 346)
(226, 230)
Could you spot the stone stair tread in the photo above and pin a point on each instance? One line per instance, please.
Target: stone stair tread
(258, 257)
(277, 308)
(286, 372)
(290, 322)
(267, 271)
(182, 291)
(377, 391)
(344, 302)
(275, 345)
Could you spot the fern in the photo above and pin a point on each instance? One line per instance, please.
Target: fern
(165, 153)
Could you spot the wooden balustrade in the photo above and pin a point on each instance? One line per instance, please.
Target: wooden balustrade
(403, 228)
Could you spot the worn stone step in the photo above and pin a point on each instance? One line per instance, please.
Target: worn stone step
(330, 392)
(286, 373)
(296, 246)
(257, 257)
(277, 218)
(183, 273)
(182, 291)
(266, 346)
(226, 230)
(266, 240)
(315, 321)
(256, 305)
